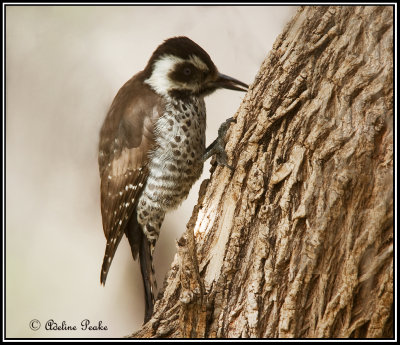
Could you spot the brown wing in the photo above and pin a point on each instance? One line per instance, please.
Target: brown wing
(126, 138)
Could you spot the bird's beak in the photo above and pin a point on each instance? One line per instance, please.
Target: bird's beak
(227, 82)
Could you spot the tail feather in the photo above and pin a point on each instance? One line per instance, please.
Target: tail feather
(141, 247)
(147, 269)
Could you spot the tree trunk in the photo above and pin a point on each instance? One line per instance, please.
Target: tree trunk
(297, 240)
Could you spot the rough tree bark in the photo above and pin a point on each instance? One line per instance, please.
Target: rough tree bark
(297, 241)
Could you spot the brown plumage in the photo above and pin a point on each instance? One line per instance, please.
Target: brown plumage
(126, 138)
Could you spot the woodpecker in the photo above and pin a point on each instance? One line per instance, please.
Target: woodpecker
(152, 149)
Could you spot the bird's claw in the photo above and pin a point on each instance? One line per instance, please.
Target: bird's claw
(217, 147)
(224, 128)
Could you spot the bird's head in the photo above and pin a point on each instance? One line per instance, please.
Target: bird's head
(179, 68)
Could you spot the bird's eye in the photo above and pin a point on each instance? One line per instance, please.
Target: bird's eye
(187, 71)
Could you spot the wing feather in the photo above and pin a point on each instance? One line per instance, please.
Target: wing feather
(126, 139)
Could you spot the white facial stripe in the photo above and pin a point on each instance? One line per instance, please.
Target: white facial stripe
(159, 80)
(198, 63)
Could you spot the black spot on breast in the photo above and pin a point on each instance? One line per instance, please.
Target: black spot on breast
(171, 167)
(177, 138)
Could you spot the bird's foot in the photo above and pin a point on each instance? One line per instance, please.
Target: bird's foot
(217, 147)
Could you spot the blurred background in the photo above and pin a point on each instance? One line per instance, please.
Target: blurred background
(64, 65)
